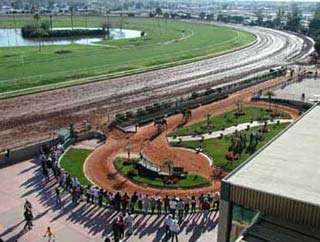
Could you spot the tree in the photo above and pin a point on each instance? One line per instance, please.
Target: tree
(158, 11)
(277, 22)
(202, 15)
(128, 149)
(210, 17)
(39, 32)
(314, 26)
(186, 114)
(317, 45)
(259, 16)
(294, 18)
(270, 94)
(208, 120)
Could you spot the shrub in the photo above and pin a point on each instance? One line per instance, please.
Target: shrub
(61, 52)
(132, 173)
(31, 31)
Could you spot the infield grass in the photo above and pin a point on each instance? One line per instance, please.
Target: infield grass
(172, 42)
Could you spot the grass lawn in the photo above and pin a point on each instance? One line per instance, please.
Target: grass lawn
(191, 180)
(26, 67)
(73, 161)
(217, 148)
(226, 120)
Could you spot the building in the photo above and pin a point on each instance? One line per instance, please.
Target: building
(275, 195)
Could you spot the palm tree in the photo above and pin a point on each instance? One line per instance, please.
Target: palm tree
(270, 94)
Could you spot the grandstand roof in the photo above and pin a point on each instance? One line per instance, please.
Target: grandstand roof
(289, 166)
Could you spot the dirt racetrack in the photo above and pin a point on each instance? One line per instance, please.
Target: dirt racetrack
(30, 118)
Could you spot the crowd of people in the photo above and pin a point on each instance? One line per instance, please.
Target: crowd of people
(175, 208)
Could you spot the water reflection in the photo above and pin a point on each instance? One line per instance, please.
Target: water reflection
(13, 38)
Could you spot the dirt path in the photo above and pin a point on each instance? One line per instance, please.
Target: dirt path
(99, 167)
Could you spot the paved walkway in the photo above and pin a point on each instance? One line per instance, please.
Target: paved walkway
(83, 223)
(227, 131)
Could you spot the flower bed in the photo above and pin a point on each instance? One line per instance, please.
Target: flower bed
(135, 174)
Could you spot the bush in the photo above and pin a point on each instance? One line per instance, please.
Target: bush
(132, 173)
(32, 31)
(61, 52)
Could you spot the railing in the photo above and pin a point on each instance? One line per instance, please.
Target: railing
(150, 165)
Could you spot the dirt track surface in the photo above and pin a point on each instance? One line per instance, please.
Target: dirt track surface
(29, 118)
(99, 167)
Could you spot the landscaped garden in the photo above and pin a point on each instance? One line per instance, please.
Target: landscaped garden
(164, 42)
(228, 119)
(141, 176)
(228, 152)
(73, 161)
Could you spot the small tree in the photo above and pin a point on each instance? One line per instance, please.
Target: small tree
(202, 15)
(128, 150)
(208, 120)
(158, 11)
(270, 94)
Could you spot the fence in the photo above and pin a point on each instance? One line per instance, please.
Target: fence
(164, 109)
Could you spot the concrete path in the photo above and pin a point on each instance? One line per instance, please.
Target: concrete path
(227, 131)
(83, 223)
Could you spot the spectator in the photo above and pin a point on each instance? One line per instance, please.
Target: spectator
(205, 209)
(27, 205)
(146, 204)
(152, 205)
(117, 201)
(193, 204)
(125, 201)
(166, 204)
(58, 198)
(187, 205)
(167, 223)
(174, 229)
(133, 201)
(100, 197)
(180, 208)
(121, 226)
(28, 216)
(96, 195)
(173, 207)
(129, 223)
(116, 230)
(49, 234)
(140, 205)
(159, 205)
(45, 173)
(88, 195)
